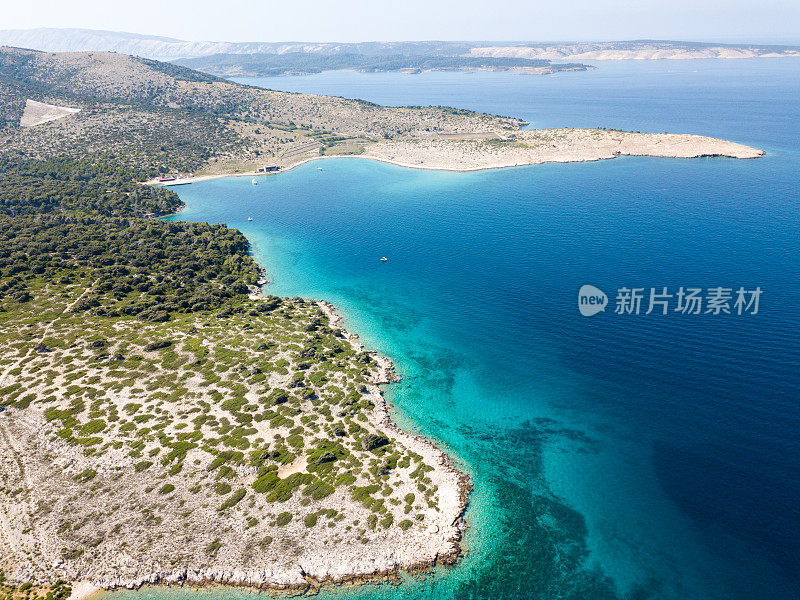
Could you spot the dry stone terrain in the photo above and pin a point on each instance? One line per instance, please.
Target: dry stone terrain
(252, 448)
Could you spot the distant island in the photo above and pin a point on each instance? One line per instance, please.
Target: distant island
(255, 59)
(305, 63)
(221, 434)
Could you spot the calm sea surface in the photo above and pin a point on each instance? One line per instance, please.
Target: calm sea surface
(617, 456)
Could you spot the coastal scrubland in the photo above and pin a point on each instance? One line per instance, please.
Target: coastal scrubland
(161, 420)
(528, 147)
(241, 445)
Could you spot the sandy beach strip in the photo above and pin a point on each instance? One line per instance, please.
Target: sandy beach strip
(83, 590)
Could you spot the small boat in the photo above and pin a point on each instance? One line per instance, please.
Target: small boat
(319, 168)
(384, 259)
(249, 218)
(254, 182)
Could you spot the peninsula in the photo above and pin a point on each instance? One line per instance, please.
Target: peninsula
(220, 434)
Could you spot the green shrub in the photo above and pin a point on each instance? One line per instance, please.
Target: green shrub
(283, 519)
(85, 476)
(225, 456)
(213, 548)
(157, 345)
(233, 500)
(266, 482)
(373, 441)
(89, 441)
(318, 490)
(278, 397)
(364, 493)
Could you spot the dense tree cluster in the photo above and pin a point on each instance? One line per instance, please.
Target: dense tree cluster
(67, 221)
(12, 103)
(100, 186)
(134, 266)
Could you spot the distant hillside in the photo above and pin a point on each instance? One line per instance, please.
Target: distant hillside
(169, 49)
(162, 115)
(631, 50)
(161, 48)
(81, 40)
(262, 64)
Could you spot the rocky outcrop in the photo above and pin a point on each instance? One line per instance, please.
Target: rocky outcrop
(537, 146)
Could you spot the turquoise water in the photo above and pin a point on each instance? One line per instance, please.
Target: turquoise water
(632, 457)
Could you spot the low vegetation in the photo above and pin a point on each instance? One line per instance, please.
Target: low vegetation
(140, 367)
(164, 118)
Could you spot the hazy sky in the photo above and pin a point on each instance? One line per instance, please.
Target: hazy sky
(360, 20)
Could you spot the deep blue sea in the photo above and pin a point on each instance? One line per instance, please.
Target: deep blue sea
(616, 456)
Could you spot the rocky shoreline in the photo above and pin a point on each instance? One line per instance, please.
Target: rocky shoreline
(539, 146)
(310, 577)
(444, 460)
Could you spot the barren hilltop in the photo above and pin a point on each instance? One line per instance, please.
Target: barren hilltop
(160, 419)
(214, 126)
